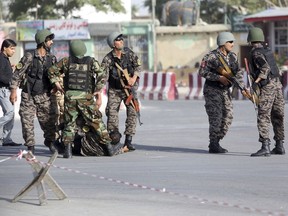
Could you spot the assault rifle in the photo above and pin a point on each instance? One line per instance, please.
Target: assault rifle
(129, 91)
(255, 99)
(226, 71)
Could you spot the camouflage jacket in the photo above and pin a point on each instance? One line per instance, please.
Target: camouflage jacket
(210, 63)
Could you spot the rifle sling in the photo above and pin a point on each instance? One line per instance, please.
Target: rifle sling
(129, 99)
(227, 68)
(123, 71)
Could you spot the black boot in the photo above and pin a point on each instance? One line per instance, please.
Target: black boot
(279, 148)
(50, 145)
(128, 143)
(52, 148)
(32, 149)
(113, 149)
(214, 147)
(59, 146)
(264, 151)
(67, 151)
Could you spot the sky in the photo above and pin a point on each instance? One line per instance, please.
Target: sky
(89, 12)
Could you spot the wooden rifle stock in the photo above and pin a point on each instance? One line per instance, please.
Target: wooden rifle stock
(232, 79)
(226, 71)
(129, 91)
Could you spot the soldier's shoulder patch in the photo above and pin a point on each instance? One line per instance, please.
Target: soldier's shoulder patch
(203, 64)
(19, 66)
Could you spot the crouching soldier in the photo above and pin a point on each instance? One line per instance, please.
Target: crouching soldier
(83, 79)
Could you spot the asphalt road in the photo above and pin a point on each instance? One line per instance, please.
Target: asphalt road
(170, 173)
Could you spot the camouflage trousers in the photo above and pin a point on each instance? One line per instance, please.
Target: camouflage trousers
(271, 110)
(219, 108)
(57, 100)
(115, 97)
(41, 106)
(77, 104)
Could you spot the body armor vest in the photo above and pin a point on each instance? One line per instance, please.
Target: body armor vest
(37, 76)
(78, 77)
(114, 79)
(274, 72)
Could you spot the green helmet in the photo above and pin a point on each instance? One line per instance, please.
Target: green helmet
(223, 37)
(41, 35)
(255, 35)
(111, 37)
(78, 48)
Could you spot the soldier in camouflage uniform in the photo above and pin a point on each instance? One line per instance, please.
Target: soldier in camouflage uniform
(31, 75)
(216, 90)
(127, 59)
(83, 80)
(267, 83)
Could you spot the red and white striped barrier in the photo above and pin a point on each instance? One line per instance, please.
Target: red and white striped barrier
(157, 86)
(196, 83)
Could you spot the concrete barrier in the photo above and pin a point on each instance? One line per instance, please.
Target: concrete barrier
(157, 86)
(196, 83)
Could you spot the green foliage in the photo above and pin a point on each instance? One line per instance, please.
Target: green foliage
(53, 9)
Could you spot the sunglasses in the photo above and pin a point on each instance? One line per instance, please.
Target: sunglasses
(230, 42)
(119, 39)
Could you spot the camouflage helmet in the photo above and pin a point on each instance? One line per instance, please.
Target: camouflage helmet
(223, 37)
(255, 35)
(78, 48)
(111, 37)
(41, 35)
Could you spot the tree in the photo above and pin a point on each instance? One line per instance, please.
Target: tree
(55, 9)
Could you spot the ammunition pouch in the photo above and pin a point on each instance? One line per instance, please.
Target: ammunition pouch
(264, 82)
